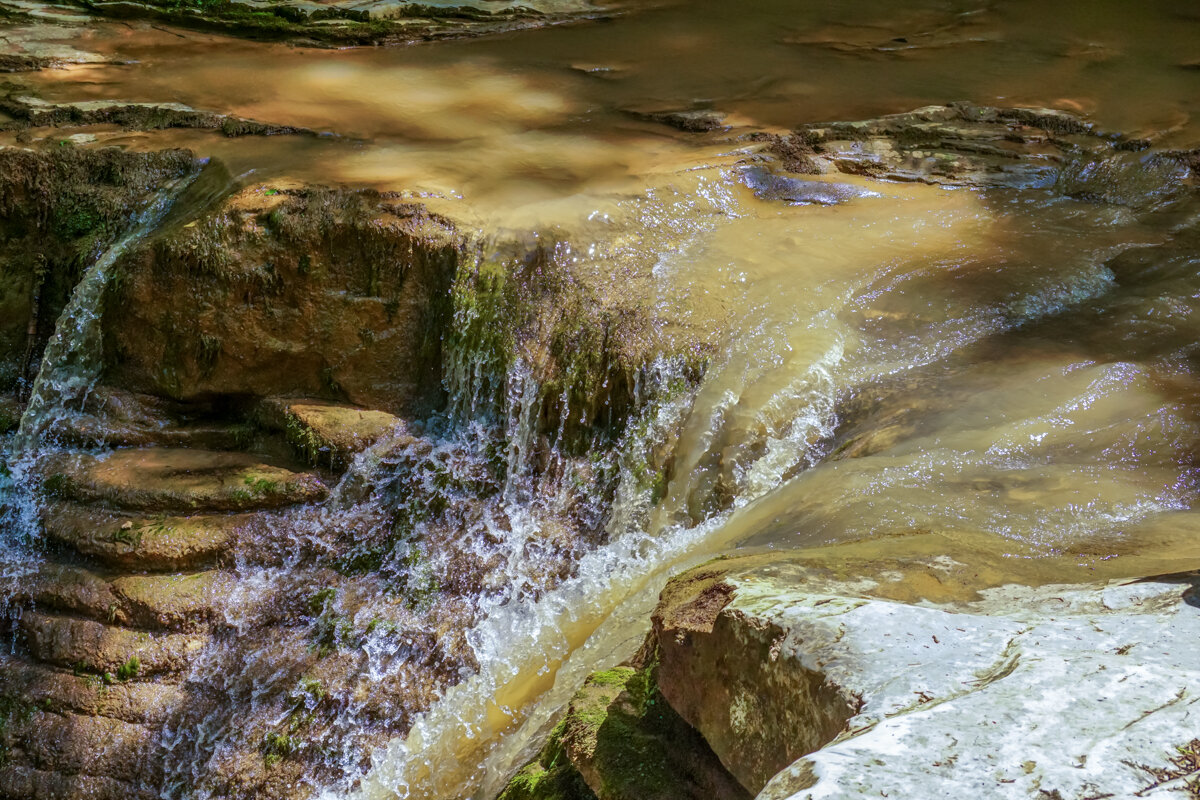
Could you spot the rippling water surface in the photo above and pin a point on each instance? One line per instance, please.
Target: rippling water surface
(1006, 378)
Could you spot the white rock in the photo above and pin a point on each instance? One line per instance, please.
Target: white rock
(1066, 692)
(1058, 692)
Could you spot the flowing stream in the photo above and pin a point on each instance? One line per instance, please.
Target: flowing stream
(1014, 368)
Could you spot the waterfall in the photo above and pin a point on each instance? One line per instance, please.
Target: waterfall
(74, 357)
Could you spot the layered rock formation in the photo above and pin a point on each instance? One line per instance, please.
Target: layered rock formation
(809, 685)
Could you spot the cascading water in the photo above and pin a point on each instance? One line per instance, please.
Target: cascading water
(416, 634)
(73, 361)
(74, 357)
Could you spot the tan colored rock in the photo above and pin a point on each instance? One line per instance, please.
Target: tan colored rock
(313, 293)
(328, 433)
(156, 601)
(95, 746)
(172, 601)
(95, 647)
(61, 690)
(73, 589)
(142, 543)
(1064, 690)
(177, 480)
(20, 782)
(718, 674)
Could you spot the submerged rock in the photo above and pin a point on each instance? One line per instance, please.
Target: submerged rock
(794, 191)
(1066, 691)
(983, 147)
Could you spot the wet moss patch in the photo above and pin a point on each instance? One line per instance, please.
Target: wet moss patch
(619, 740)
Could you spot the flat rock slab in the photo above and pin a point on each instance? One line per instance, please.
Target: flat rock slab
(143, 543)
(61, 690)
(20, 782)
(328, 433)
(1058, 691)
(178, 481)
(156, 601)
(90, 646)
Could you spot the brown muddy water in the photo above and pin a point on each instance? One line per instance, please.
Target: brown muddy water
(1014, 371)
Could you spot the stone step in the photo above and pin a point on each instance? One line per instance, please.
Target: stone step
(156, 601)
(114, 417)
(139, 542)
(178, 481)
(324, 433)
(38, 686)
(90, 646)
(83, 430)
(78, 745)
(19, 782)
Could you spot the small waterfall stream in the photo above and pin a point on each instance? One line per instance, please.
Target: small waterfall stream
(1006, 364)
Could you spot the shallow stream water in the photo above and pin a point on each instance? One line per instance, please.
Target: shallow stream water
(1021, 364)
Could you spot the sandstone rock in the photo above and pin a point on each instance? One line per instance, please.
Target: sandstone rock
(75, 745)
(984, 147)
(328, 433)
(94, 647)
(146, 543)
(178, 480)
(57, 206)
(26, 783)
(1058, 691)
(313, 293)
(619, 741)
(51, 689)
(175, 602)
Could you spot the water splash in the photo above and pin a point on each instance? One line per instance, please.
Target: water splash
(74, 357)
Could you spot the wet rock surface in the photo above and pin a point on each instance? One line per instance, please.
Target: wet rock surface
(341, 23)
(619, 740)
(58, 209)
(1021, 690)
(986, 147)
(309, 292)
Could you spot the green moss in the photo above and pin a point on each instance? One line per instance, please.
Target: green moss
(263, 486)
(276, 747)
(56, 485)
(306, 441)
(630, 745)
(129, 670)
(551, 776)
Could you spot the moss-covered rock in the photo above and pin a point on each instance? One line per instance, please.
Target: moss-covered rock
(327, 434)
(619, 740)
(58, 209)
(315, 293)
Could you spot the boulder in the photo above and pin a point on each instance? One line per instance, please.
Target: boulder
(620, 741)
(159, 479)
(328, 433)
(316, 293)
(809, 686)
